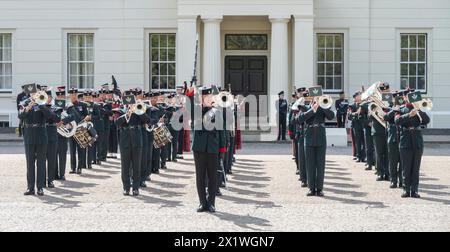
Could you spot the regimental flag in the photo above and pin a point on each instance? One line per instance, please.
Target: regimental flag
(60, 103)
(315, 91)
(129, 100)
(415, 97)
(387, 97)
(30, 89)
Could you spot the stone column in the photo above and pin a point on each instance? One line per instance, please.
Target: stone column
(186, 38)
(304, 51)
(212, 59)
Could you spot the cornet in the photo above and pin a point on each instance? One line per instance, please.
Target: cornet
(325, 102)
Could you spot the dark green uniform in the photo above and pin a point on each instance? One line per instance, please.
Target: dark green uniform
(79, 111)
(358, 132)
(207, 146)
(411, 147)
(158, 113)
(395, 167)
(368, 139)
(97, 116)
(147, 167)
(104, 145)
(131, 149)
(52, 145)
(315, 145)
(379, 135)
(299, 139)
(36, 140)
(62, 147)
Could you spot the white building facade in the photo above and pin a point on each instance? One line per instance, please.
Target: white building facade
(260, 47)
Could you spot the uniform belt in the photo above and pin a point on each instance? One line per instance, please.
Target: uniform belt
(51, 124)
(132, 127)
(316, 125)
(36, 125)
(413, 129)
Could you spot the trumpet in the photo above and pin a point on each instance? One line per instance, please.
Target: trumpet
(39, 98)
(325, 102)
(426, 104)
(224, 100)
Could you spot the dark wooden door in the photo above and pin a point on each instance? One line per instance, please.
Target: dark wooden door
(248, 76)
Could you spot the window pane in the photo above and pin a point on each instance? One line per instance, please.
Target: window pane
(246, 42)
(8, 82)
(404, 57)
(412, 69)
(329, 83)
(329, 55)
(412, 82)
(404, 69)
(421, 83)
(404, 41)
(81, 54)
(412, 41)
(172, 69)
(155, 82)
(163, 69)
(172, 82)
(155, 41)
(330, 41)
(7, 40)
(321, 41)
(155, 55)
(163, 55)
(422, 55)
(421, 69)
(321, 56)
(90, 54)
(329, 69)
(422, 41)
(338, 55)
(7, 70)
(338, 69)
(413, 55)
(81, 41)
(172, 41)
(6, 54)
(2, 83)
(73, 55)
(171, 55)
(73, 41)
(90, 41)
(321, 81)
(164, 81)
(155, 69)
(337, 83)
(338, 41)
(163, 41)
(321, 69)
(90, 68)
(404, 83)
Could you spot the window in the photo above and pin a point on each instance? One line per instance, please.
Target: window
(413, 61)
(163, 61)
(246, 42)
(81, 60)
(330, 61)
(5, 62)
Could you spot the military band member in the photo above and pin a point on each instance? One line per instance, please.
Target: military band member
(282, 110)
(79, 111)
(395, 167)
(164, 113)
(113, 141)
(341, 110)
(368, 139)
(52, 143)
(60, 103)
(357, 127)
(153, 115)
(35, 138)
(315, 145)
(20, 97)
(412, 121)
(158, 114)
(130, 127)
(107, 122)
(97, 117)
(300, 135)
(207, 146)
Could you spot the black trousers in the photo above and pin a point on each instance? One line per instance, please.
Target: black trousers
(62, 156)
(206, 170)
(52, 150)
(180, 142)
(302, 159)
(173, 147)
(144, 158)
(411, 160)
(74, 150)
(113, 142)
(131, 167)
(360, 144)
(105, 144)
(156, 159)
(229, 155)
(395, 167)
(382, 161)
(315, 163)
(148, 154)
(282, 127)
(370, 148)
(35, 156)
(341, 120)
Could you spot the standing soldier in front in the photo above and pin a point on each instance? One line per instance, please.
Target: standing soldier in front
(52, 145)
(208, 143)
(411, 120)
(282, 109)
(61, 159)
(34, 117)
(316, 143)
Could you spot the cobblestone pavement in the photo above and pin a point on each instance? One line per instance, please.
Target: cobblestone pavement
(263, 195)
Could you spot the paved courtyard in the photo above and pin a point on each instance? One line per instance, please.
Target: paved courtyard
(263, 195)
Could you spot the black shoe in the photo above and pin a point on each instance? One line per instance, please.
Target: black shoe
(297, 172)
(230, 172)
(180, 157)
(164, 167)
(406, 195)
(148, 179)
(89, 167)
(135, 193)
(386, 178)
(51, 185)
(156, 172)
(175, 161)
(29, 193)
(212, 209)
(99, 162)
(380, 178)
(79, 171)
(72, 172)
(218, 193)
(320, 193)
(63, 178)
(40, 192)
(355, 158)
(201, 209)
(169, 160)
(393, 186)
(359, 161)
(143, 185)
(126, 192)
(369, 168)
(415, 195)
(222, 185)
(311, 193)
(400, 185)
(304, 184)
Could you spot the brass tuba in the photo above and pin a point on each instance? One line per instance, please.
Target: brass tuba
(40, 98)
(325, 102)
(139, 108)
(224, 100)
(374, 97)
(67, 130)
